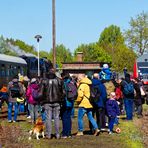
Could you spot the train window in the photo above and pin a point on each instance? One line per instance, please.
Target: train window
(15, 71)
(3, 70)
(7, 70)
(143, 70)
(19, 69)
(11, 70)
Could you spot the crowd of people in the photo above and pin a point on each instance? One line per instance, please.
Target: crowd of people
(101, 97)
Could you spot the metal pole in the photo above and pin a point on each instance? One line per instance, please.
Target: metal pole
(54, 34)
(38, 37)
(38, 58)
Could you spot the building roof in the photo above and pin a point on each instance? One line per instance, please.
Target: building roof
(12, 59)
(81, 65)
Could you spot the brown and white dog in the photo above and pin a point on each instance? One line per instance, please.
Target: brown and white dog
(38, 129)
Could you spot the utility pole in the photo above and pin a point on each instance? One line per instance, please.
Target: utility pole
(54, 34)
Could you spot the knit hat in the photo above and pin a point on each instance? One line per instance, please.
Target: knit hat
(4, 89)
(105, 66)
(26, 78)
(33, 80)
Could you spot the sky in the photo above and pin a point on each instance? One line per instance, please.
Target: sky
(77, 21)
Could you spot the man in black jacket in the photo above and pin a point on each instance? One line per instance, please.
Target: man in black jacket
(52, 98)
(128, 96)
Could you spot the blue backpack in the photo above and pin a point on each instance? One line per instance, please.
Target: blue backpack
(128, 88)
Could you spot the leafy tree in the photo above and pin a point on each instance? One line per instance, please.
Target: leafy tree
(93, 53)
(123, 57)
(110, 37)
(62, 55)
(23, 46)
(112, 41)
(137, 35)
(5, 48)
(44, 54)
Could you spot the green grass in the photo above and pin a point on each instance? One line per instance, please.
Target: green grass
(145, 107)
(130, 135)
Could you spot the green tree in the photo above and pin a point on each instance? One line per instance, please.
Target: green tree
(110, 37)
(123, 57)
(23, 46)
(137, 35)
(93, 53)
(62, 55)
(112, 41)
(44, 54)
(5, 48)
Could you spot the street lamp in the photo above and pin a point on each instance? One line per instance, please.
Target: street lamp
(38, 37)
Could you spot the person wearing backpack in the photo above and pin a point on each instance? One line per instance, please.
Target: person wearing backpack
(33, 105)
(15, 90)
(68, 104)
(127, 88)
(53, 94)
(99, 104)
(85, 107)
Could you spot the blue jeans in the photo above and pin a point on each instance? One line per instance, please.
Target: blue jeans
(21, 107)
(116, 121)
(66, 121)
(111, 123)
(10, 107)
(81, 112)
(129, 108)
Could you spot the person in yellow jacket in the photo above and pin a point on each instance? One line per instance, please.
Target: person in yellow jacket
(85, 106)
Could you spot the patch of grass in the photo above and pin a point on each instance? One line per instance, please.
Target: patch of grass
(145, 107)
(130, 135)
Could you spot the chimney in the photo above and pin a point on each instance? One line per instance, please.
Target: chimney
(79, 56)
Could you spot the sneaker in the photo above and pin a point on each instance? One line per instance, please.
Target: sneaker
(57, 136)
(47, 137)
(9, 121)
(79, 134)
(64, 137)
(110, 133)
(69, 136)
(28, 117)
(103, 129)
(14, 121)
(97, 131)
(106, 124)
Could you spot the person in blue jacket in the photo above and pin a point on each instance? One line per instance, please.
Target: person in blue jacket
(99, 106)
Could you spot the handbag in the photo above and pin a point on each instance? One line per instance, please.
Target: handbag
(142, 91)
(20, 100)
